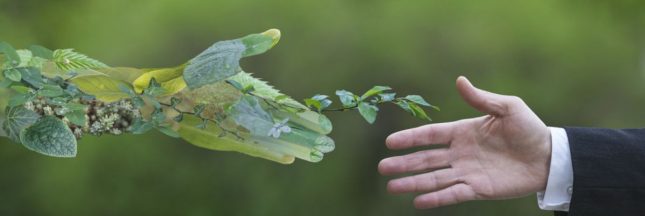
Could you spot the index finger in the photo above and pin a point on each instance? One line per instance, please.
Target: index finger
(440, 133)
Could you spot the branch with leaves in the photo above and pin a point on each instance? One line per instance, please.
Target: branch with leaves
(54, 98)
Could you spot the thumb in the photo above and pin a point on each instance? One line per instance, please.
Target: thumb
(484, 101)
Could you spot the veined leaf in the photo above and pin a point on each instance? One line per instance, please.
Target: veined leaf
(347, 98)
(222, 59)
(49, 136)
(374, 91)
(50, 91)
(67, 59)
(418, 112)
(218, 62)
(418, 100)
(17, 119)
(368, 111)
(13, 75)
(102, 87)
(32, 76)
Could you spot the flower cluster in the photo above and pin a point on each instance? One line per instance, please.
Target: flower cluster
(100, 118)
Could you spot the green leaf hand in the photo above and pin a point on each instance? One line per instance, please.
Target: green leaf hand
(209, 101)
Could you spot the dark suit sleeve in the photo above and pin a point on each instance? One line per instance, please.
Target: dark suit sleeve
(608, 171)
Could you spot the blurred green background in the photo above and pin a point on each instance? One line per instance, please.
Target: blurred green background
(574, 62)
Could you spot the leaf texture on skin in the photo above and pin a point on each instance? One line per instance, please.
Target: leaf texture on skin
(210, 138)
(218, 62)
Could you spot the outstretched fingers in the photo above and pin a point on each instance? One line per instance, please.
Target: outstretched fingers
(440, 133)
(426, 182)
(457, 193)
(415, 162)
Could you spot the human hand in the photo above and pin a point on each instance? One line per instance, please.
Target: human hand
(501, 155)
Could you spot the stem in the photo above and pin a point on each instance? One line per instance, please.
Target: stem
(234, 133)
(340, 109)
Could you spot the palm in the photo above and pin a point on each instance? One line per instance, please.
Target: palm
(500, 155)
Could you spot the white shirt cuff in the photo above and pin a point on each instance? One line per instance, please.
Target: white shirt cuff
(559, 187)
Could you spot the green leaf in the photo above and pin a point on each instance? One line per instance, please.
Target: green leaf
(174, 101)
(313, 103)
(41, 51)
(347, 98)
(102, 87)
(10, 53)
(20, 99)
(368, 111)
(17, 119)
(168, 131)
(154, 89)
(67, 59)
(13, 75)
(21, 89)
(319, 102)
(222, 59)
(387, 97)
(170, 80)
(210, 138)
(197, 110)
(260, 43)
(50, 91)
(32, 76)
(405, 106)
(49, 136)
(418, 112)
(417, 100)
(218, 62)
(76, 117)
(374, 91)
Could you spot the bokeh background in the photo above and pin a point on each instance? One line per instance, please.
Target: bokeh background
(574, 62)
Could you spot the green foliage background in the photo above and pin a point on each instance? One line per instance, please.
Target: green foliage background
(574, 62)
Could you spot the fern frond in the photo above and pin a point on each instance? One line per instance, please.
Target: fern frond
(67, 59)
(263, 89)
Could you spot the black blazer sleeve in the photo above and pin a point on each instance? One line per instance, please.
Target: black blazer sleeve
(608, 171)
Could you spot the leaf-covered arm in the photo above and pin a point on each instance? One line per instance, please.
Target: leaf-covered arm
(55, 97)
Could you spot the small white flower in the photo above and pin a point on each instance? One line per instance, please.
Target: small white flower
(278, 128)
(30, 106)
(48, 110)
(78, 132)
